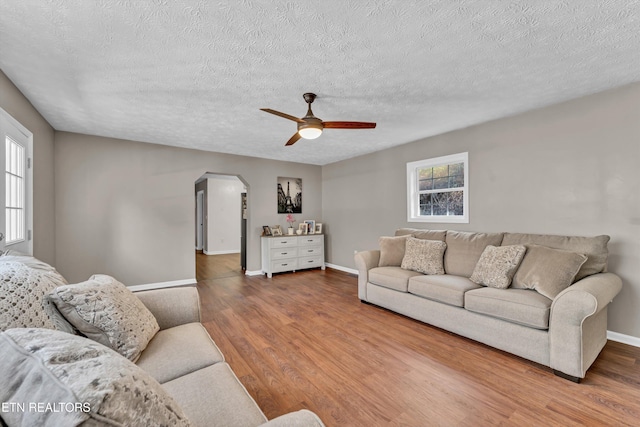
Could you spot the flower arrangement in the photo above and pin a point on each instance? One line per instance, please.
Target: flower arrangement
(290, 220)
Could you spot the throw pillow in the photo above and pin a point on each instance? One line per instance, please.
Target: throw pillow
(497, 265)
(104, 310)
(24, 281)
(55, 378)
(424, 256)
(548, 271)
(391, 250)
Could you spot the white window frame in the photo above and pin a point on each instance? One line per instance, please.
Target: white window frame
(10, 126)
(413, 194)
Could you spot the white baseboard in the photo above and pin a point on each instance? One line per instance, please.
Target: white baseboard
(341, 268)
(624, 339)
(253, 272)
(171, 284)
(220, 252)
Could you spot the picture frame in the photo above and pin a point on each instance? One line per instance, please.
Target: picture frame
(289, 195)
(311, 226)
(302, 227)
(276, 230)
(266, 231)
(318, 228)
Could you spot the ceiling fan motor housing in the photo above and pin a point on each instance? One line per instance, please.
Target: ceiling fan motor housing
(310, 122)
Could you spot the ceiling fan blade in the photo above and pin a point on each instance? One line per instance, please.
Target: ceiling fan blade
(348, 125)
(285, 115)
(296, 136)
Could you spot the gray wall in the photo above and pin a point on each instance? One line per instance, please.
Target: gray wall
(572, 168)
(14, 103)
(127, 208)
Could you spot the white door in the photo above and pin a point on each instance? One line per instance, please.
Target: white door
(16, 216)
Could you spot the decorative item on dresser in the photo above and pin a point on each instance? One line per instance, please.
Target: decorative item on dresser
(291, 253)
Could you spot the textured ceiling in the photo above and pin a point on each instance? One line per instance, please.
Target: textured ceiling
(195, 73)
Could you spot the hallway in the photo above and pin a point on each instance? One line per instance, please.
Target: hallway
(217, 266)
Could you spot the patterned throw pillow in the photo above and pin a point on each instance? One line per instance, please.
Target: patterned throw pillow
(104, 310)
(55, 378)
(497, 265)
(24, 281)
(424, 256)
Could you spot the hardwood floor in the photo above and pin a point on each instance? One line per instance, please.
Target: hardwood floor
(217, 266)
(304, 340)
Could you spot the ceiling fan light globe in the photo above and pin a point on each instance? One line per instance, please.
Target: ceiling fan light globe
(310, 132)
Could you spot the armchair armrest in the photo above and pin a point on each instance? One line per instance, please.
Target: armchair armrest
(172, 306)
(301, 418)
(365, 261)
(578, 323)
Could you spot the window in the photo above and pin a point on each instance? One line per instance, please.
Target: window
(16, 216)
(437, 189)
(15, 167)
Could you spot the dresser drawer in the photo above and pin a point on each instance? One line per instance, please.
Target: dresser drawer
(310, 262)
(284, 265)
(311, 240)
(280, 253)
(283, 242)
(310, 250)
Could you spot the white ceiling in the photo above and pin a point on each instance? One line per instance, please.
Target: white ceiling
(195, 73)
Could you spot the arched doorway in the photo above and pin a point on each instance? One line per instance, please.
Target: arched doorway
(221, 224)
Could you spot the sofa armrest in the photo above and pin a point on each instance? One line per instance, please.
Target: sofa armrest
(365, 261)
(578, 323)
(301, 418)
(172, 306)
(585, 298)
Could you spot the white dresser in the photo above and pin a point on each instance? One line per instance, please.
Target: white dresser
(291, 253)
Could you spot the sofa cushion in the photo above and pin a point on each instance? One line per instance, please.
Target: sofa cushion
(464, 250)
(424, 256)
(105, 311)
(521, 306)
(214, 393)
(446, 288)
(595, 248)
(422, 234)
(177, 351)
(88, 383)
(24, 281)
(497, 265)
(391, 250)
(392, 277)
(548, 271)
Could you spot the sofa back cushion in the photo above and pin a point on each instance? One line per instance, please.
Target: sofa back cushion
(422, 234)
(464, 250)
(595, 248)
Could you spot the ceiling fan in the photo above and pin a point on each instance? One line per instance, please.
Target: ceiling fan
(310, 127)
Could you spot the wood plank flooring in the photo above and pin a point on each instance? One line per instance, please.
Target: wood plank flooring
(304, 340)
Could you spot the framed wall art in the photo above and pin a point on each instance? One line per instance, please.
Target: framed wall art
(289, 195)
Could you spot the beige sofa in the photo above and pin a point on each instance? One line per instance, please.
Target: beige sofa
(185, 360)
(181, 357)
(565, 333)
